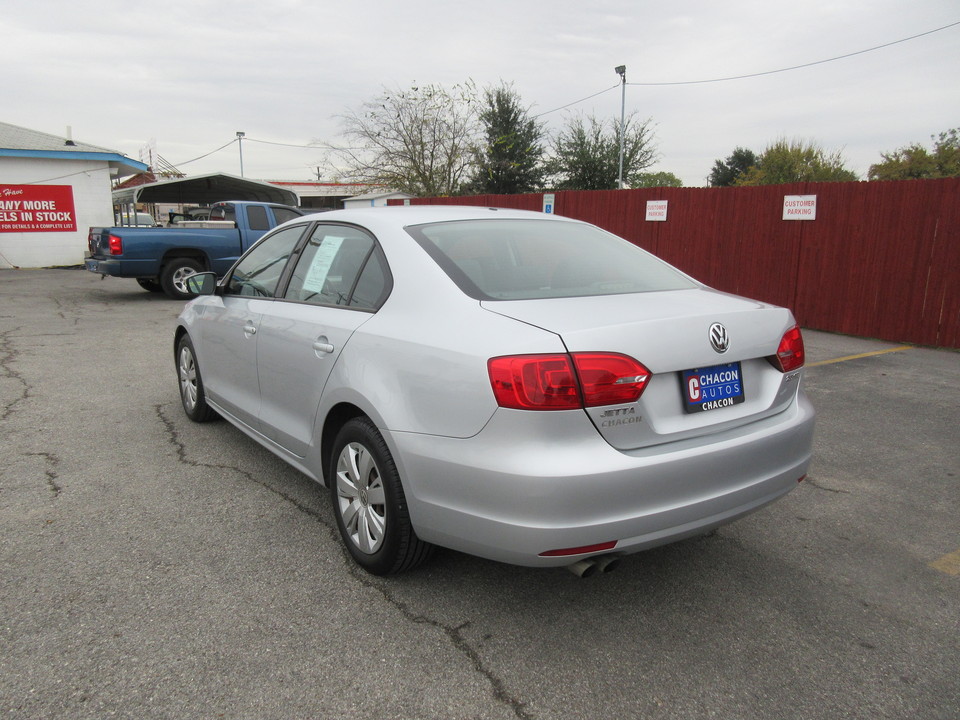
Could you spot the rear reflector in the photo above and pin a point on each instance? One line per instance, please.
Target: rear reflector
(566, 382)
(585, 550)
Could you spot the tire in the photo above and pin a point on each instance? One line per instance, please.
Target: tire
(369, 504)
(150, 284)
(174, 276)
(192, 396)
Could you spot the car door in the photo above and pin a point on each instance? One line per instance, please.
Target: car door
(339, 280)
(230, 326)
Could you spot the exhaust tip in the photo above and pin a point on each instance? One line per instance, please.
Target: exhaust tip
(608, 563)
(583, 568)
(589, 567)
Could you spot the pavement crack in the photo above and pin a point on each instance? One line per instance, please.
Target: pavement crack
(62, 306)
(453, 633)
(8, 355)
(53, 462)
(815, 483)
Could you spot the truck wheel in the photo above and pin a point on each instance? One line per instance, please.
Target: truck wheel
(192, 396)
(173, 279)
(149, 284)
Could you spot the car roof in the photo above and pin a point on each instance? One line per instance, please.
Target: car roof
(407, 215)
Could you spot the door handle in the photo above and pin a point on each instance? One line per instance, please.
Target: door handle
(249, 329)
(322, 345)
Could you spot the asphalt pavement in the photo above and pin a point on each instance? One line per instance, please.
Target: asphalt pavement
(155, 568)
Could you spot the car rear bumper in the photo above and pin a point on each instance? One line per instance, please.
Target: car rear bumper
(510, 500)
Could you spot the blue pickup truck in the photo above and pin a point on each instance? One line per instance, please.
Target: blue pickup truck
(161, 259)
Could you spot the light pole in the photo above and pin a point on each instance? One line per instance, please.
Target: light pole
(621, 70)
(240, 136)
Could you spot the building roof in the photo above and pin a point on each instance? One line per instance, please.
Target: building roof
(16, 141)
(391, 194)
(325, 189)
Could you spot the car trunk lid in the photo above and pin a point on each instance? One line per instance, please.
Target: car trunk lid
(669, 332)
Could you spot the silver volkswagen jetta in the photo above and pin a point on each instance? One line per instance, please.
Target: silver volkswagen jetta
(518, 386)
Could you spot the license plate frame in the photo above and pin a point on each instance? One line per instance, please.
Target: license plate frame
(712, 387)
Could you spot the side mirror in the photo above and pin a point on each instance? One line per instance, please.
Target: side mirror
(202, 283)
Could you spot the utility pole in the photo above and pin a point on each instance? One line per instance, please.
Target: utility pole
(621, 70)
(240, 136)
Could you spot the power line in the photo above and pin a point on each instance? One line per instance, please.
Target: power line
(576, 102)
(795, 67)
(201, 157)
(268, 142)
(327, 146)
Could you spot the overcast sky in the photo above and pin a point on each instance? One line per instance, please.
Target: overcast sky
(190, 74)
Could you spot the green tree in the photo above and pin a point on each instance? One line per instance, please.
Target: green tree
(510, 158)
(915, 161)
(788, 162)
(418, 140)
(727, 172)
(586, 153)
(657, 179)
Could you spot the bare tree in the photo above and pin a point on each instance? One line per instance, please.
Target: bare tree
(419, 140)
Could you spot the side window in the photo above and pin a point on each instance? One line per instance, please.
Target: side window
(371, 289)
(257, 216)
(258, 272)
(333, 269)
(283, 214)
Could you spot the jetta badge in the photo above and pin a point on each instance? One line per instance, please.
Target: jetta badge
(719, 338)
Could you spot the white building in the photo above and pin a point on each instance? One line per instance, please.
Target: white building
(325, 195)
(375, 199)
(52, 190)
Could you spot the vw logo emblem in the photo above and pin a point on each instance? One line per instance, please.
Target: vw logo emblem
(719, 338)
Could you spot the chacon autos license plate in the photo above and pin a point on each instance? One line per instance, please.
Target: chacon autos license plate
(712, 387)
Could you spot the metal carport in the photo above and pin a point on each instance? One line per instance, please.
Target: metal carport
(204, 190)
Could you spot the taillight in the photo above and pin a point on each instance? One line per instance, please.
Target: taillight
(534, 382)
(566, 382)
(790, 354)
(116, 245)
(610, 379)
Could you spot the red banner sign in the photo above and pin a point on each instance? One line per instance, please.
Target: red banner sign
(37, 208)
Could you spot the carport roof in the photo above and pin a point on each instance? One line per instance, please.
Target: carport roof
(205, 189)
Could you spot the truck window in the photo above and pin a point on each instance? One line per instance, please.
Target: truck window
(283, 214)
(223, 212)
(257, 216)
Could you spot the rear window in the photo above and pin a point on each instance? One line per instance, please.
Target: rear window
(536, 259)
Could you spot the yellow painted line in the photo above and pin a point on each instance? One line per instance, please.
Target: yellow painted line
(949, 564)
(861, 355)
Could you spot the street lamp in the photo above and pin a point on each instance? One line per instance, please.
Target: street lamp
(240, 136)
(621, 70)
